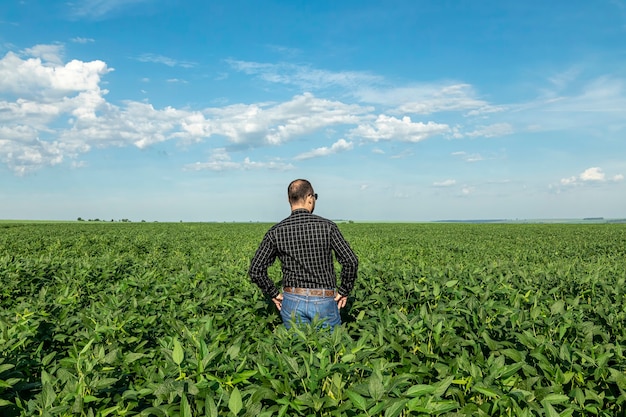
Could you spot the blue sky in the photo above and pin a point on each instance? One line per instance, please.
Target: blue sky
(398, 110)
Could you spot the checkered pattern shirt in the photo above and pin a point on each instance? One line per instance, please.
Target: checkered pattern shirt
(304, 243)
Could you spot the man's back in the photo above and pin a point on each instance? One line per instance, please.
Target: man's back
(305, 244)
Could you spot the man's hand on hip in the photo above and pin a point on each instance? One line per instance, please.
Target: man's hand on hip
(278, 301)
(341, 300)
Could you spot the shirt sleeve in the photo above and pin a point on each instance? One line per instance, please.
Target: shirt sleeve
(348, 261)
(263, 259)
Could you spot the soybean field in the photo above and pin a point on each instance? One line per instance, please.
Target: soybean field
(446, 319)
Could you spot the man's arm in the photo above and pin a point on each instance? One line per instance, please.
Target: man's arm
(263, 259)
(348, 261)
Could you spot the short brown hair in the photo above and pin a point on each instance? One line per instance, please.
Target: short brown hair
(298, 190)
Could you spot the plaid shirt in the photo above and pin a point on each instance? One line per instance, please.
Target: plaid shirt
(304, 243)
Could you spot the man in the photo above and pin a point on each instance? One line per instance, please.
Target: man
(305, 244)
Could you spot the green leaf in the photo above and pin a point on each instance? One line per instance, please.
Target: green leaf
(378, 407)
(442, 386)
(556, 398)
(550, 411)
(48, 358)
(618, 377)
(348, 357)
(243, 376)
(357, 400)
(105, 382)
(375, 387)
(110, 410)
(84, 349)
(6, 367)
(185, 409)
(436, 289)
(192, 388)
(132, 357)
(486, 391)
(153, 411)
(234, 402)
(513, 354)
(512, 369)
(233, 350)
(8, 383)
(395, 408)
(177, 354)
(440, 407)
(46, 378)
(210, 408)
(558, 307)
(419, 390)
(48, 395)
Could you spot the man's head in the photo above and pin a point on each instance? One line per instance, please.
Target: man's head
(301, 195)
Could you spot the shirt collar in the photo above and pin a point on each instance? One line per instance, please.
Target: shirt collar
(300, 211)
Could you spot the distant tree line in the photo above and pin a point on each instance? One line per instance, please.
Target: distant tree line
(80, 219)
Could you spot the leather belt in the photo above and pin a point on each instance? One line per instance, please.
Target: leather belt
(310, 291)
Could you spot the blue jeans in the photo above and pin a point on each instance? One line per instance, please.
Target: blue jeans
(302, 309)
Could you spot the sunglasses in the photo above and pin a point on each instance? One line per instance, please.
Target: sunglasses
(314, 195)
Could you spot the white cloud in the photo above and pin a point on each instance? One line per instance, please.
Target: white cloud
(221, 161)
(66, 113)
(592, 174)
(137, 124)
(467, 157)
(445, 183)
(79, 39)
(494, 130)
(160, 59)
(601, 98)
(52, 111)
(99, 9)
(589, 176)
(391, 128)
(34, 77)
(339, 146)
(406, 153)
(569, 181)
(598, 104)
(302, 76)
(278, 123)
(52, 53)
(369, 88)
(47, 90)
(485, 110)
(428, 99)
(29, 155)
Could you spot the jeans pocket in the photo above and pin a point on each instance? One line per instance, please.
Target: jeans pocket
(289, 310)
(327, 309)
